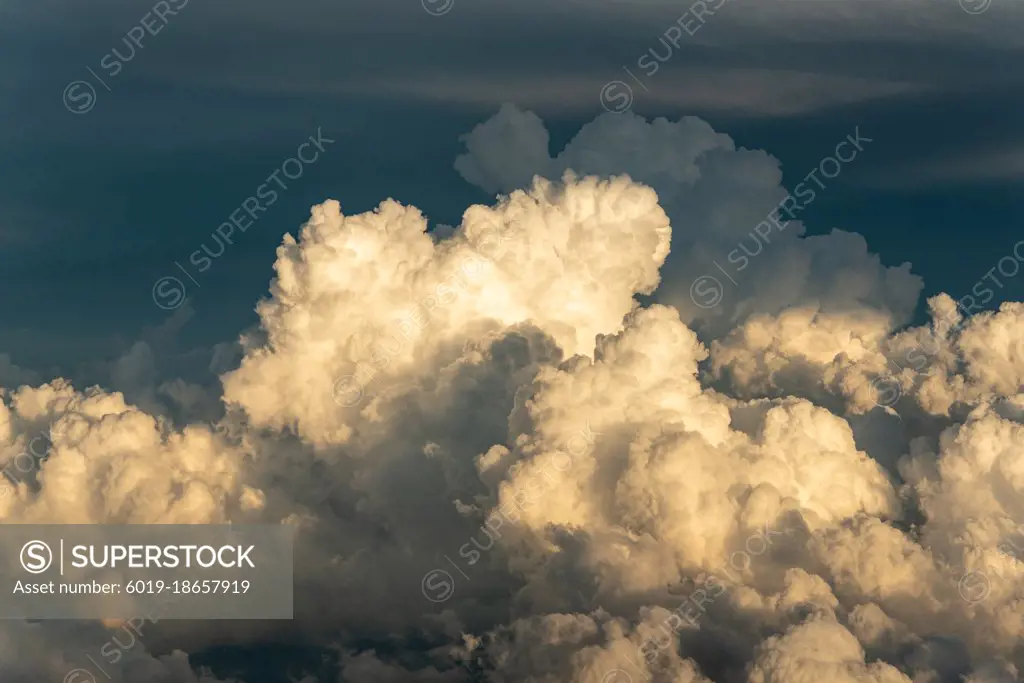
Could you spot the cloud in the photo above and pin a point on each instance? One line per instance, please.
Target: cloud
(520, 449)
(729, 260)
(566, 259)
(738, 92)
(979, 166)
(819, 650)
(108, 462)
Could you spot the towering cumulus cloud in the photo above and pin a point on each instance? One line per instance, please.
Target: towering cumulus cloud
(727, 207)
(374, 300)
(527, 449)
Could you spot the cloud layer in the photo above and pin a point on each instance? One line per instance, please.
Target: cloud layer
(526, 448)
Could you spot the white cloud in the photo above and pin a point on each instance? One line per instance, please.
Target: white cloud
(719, 199)
(502, 397)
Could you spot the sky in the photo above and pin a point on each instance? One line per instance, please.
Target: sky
(209, 106)
(621, 168)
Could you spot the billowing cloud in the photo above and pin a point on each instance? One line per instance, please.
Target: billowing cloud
(738, 246)
(524, 449)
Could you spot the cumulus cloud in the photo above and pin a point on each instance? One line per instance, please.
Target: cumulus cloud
(721, 200)
(518, 449)
(815, 651)
(108, 462)
(566, 258)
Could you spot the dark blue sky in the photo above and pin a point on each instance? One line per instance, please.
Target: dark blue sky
(96, 207)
